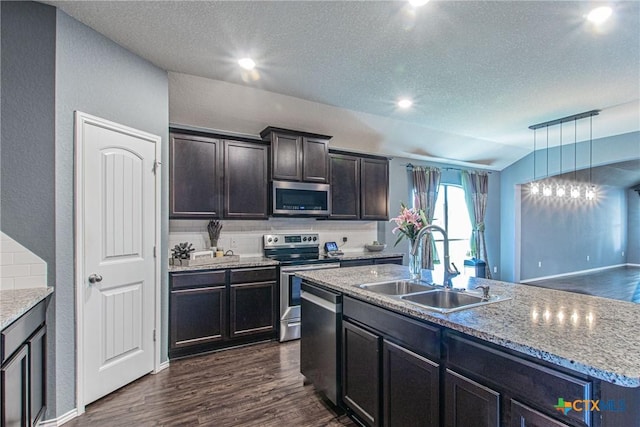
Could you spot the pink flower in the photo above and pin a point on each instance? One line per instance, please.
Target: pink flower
(409, 222)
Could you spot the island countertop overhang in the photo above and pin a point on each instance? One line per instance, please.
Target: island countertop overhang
(590, 335)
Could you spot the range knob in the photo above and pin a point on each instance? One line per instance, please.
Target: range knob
(269, 240)
(315, 238)
(304, 239)
(275, 240)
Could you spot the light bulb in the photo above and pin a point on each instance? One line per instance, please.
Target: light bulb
(405, 103)
(535, 188)
(599, 15)
(575, 191)
(546, 190)
(418, 3)
(560, 191)
(247, 63)
(590, 193)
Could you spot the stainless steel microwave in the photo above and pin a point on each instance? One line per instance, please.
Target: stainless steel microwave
(301, 199)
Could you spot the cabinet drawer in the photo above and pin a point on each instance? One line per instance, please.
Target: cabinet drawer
(539, 385)
(419, 337)
(14, 335)
(356, 262)
(251, 275)
(194, 280)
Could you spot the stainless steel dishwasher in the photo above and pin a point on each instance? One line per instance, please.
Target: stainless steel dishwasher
(321, 314)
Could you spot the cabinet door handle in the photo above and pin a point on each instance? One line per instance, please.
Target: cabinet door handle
(95, 278)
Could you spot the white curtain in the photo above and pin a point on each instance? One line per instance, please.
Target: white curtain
(476, 189)
(426, 182)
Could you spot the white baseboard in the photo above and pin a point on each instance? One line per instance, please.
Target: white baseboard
(632, 265)
(60, 420)
(164, 365)
(573, 273)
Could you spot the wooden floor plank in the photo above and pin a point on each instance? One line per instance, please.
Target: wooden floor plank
(621, 283)
(257, 385)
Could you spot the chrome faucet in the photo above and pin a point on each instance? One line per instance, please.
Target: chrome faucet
(449, 272)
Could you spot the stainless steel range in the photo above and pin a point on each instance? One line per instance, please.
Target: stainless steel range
(295, 252)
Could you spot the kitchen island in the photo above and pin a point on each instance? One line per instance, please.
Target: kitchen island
(518, 357)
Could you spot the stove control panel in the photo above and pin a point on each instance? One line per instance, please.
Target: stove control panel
(291, 240)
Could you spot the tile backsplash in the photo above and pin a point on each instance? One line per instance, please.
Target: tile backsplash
(245, 237)
(19, 267)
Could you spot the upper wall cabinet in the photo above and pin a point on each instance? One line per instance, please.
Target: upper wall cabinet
(195, 176)
(298, 156)
(215, 178)
(245, 180)
(359, 186)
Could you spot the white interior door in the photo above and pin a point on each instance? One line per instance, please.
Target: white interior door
(117, 268)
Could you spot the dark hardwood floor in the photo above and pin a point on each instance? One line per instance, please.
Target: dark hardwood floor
(258, 385)
(622, 283)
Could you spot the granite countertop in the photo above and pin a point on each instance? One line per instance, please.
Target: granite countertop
(14, 303)
(242, 262)
(587, 334)
(265, 262)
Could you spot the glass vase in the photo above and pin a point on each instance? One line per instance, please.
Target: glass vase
(415, 262)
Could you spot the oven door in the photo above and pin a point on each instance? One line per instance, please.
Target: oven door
(290, 298)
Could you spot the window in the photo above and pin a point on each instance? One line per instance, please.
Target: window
(451, 214)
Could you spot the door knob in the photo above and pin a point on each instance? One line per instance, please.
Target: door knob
(95, 278)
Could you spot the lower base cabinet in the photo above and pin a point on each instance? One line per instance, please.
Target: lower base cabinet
(469, 404)
(411, 388)
(360, 373)
(524, 416)
(221, 308)
(22, 369)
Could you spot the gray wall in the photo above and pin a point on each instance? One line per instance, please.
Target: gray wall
(605, 151)
(98, 77)
(28, 116)
(400, 192)
(562, 235)
(633, 227)
(27, 179)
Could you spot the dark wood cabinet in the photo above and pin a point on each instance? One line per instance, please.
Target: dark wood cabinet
(37, 371)
(524, 416)
(14, 379)
(315, 162)
(360, 373)
(359, 187)
(198, 316)
(220, 308)
(392, 260)
(470, 404)
(23, 369)
(195, 176)
(355, 262)
(411, 388)
(298, 156)
(253, 304)
(245, 180)
(344, 173)
(374, 193)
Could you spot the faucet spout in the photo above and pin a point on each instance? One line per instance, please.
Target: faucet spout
(450, 270)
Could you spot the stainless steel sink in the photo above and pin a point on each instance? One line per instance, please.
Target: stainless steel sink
(446, 301)
(398, 287)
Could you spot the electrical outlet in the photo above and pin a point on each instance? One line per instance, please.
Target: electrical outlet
(539, 263)
(233, 243)
(622, 253)
(587, 257)
(344, 239)
(495, 269)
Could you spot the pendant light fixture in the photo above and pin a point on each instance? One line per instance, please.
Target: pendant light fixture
(534, 187)
(560, 190)
(546, 189)
(590, 194)
(575, 188)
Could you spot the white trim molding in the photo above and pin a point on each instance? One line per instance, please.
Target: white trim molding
(55, 422)
(573, 273)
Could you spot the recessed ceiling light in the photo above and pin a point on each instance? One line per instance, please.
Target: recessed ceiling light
(418, 3)
(247, 63)
(600, 14)
(405, 103)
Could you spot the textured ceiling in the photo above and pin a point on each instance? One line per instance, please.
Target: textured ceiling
(480, 70)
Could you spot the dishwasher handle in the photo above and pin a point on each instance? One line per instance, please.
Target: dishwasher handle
(327, 305)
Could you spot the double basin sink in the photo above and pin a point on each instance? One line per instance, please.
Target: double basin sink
(431, 297)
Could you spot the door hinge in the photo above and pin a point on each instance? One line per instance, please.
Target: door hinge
(156, 165)
(154, 335)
